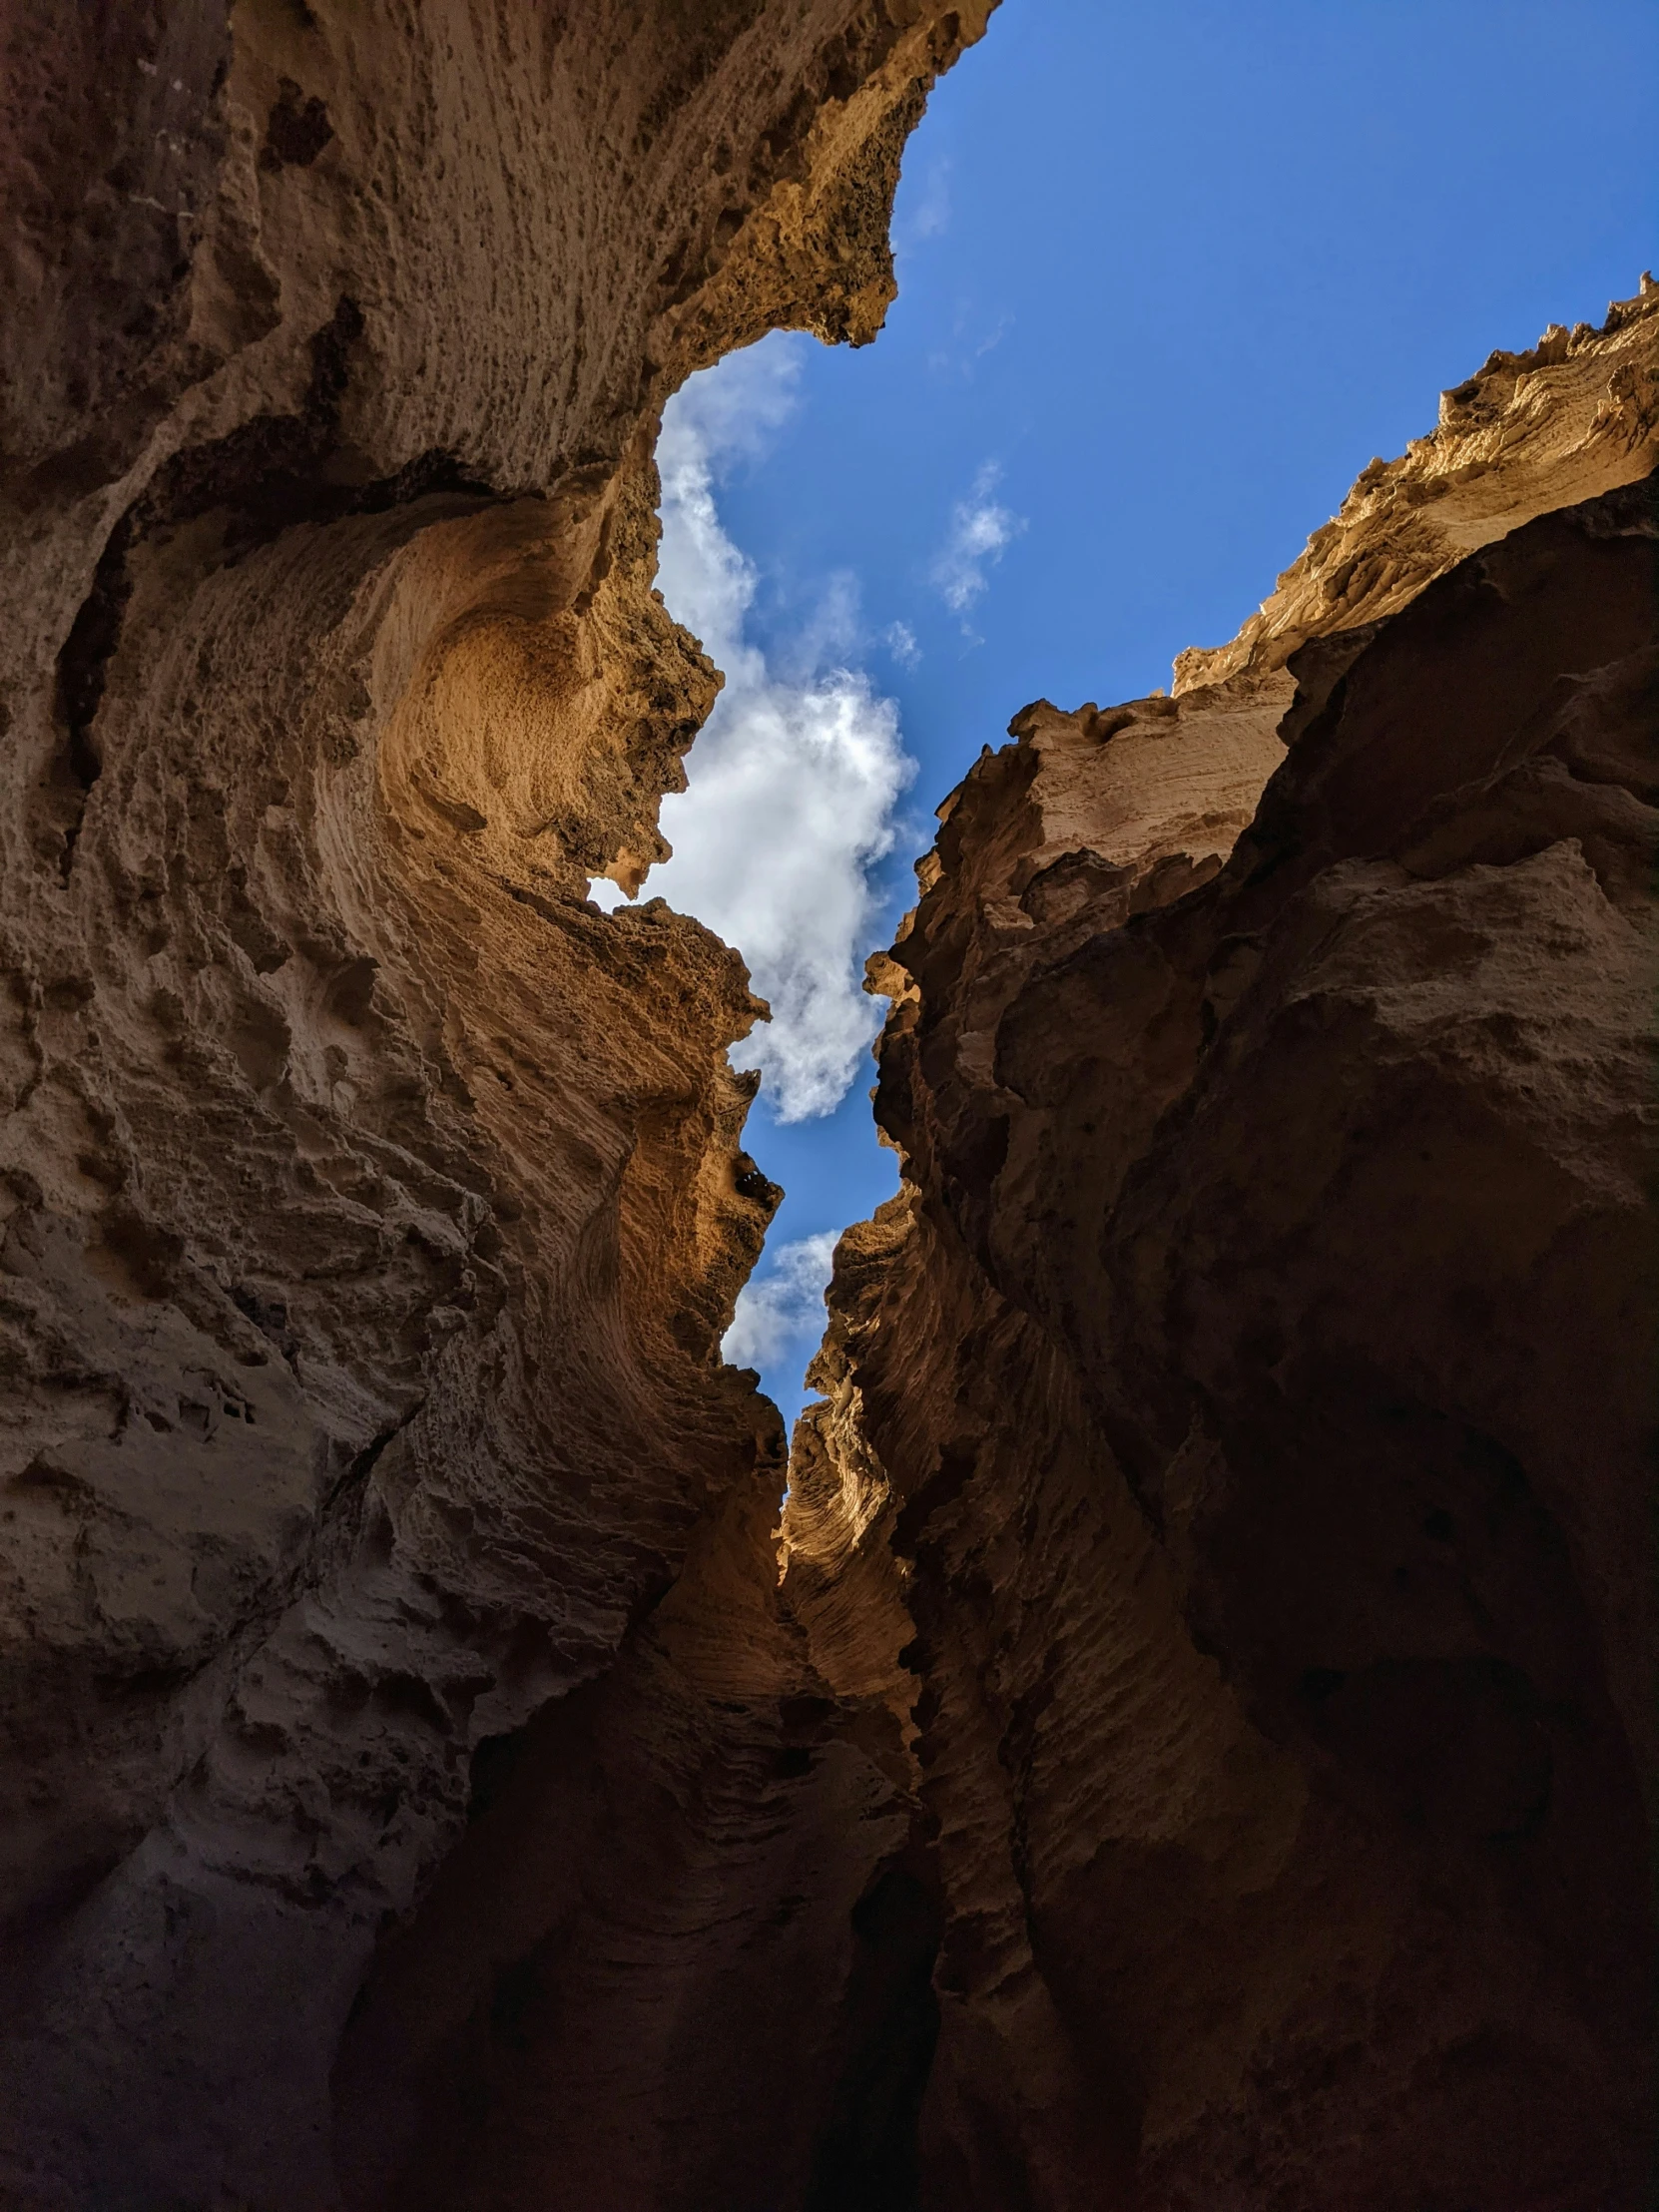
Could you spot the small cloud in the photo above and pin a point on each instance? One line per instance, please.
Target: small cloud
(924, 209)
(980, 530)
(969, 342)
(780, 1308)
(900, 641)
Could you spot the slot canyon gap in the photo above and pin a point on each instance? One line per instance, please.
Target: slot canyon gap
(1190, 1743)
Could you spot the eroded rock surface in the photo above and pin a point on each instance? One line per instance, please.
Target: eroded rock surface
(1248, 1397)
(373, 1204)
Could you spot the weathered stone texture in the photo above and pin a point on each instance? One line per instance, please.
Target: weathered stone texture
(1189, 1742)
(373, 1204)
(1255, 1381)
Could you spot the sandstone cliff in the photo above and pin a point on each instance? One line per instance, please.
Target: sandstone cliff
(1248, 1398)
(374, 1205)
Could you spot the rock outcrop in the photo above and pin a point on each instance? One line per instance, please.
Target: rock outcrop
(1249, 1397)
(374, 1205)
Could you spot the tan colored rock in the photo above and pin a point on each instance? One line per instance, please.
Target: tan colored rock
(1575, 416)
(374, 1205)
(1256, 1364)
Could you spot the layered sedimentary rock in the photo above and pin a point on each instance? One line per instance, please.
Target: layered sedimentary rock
(373, 1204)
(1248, 1399)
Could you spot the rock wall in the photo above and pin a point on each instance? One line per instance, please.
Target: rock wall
(373, 1204)
(1248, 1397)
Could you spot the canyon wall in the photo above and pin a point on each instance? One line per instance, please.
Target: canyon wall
(373, 1204)
(1189, 1742)
(1248, 1399)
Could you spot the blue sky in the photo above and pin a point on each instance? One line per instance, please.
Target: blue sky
(1168, 278)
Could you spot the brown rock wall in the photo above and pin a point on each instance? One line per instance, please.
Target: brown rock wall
(373, 1204)
(1256, 1370)
(626, 1987)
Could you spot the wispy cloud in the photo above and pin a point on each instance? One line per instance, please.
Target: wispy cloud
(781, 1309)
(828, 637)
(993, 338)
(792, 784)
(921, 209)
(980, 530)
(900, 641)
(968, 341)
(735, 412)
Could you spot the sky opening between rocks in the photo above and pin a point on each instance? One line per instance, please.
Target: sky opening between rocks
(1168, 280)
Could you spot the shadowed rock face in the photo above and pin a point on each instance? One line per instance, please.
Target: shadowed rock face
(1186, 1745)
(1249, 1400)
(374, 1205)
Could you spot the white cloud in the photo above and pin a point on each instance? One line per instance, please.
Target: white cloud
(792, 784)
(922, 207)
(968, 342)
(900, 641)
(989, 344)
(735, 412)
(829, 636)
(781, 1309)
(980, 529)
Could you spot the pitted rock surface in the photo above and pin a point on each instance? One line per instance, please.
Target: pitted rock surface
(374, 1205)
